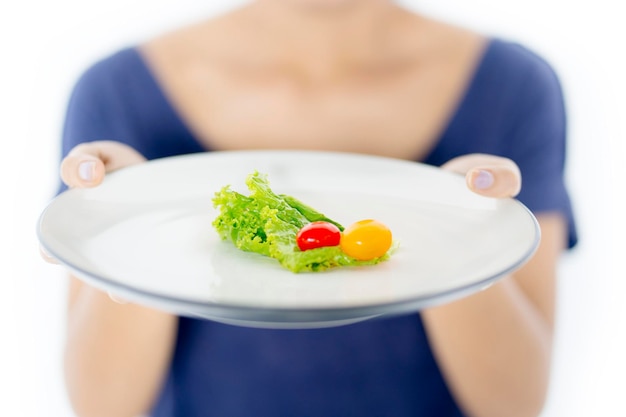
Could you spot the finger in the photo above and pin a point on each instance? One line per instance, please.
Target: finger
(488, 175)
(46, 256)
(82, 170)
(494, 181)
(87, 164)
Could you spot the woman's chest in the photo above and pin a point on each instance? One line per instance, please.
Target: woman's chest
(400, 117)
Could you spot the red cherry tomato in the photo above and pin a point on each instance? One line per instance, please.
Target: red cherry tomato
(317, 235)
(366, 239)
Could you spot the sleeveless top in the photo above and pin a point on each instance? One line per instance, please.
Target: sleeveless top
(513, 106)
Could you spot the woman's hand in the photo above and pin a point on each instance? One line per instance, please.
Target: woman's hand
(87, 164)
(488, 175)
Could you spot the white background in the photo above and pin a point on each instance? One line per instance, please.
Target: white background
(45, 45)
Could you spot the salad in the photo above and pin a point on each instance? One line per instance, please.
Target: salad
(299, 237)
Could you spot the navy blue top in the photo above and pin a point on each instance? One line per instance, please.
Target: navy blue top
(512, 107)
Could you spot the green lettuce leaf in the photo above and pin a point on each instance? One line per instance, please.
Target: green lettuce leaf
(267, 223)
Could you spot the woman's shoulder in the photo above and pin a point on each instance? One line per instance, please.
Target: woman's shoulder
(110, 72)
(135, 60)
(502, 61)
(515, 63)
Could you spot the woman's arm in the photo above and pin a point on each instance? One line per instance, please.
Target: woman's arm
(494, 347)
(116, 355)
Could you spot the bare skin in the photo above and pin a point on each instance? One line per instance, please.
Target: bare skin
(388, 74)
(323, 74)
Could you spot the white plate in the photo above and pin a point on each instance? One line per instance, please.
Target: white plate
(145, 235)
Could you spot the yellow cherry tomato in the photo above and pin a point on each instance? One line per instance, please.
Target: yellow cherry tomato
(366, 240)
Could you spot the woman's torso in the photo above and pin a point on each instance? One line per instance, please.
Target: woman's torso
(240, 100)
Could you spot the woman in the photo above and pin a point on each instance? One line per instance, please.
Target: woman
(342, 75)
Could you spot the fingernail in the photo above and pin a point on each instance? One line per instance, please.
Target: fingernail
(116, 299)
(87, 171)
(46, 256)
(483, 180)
